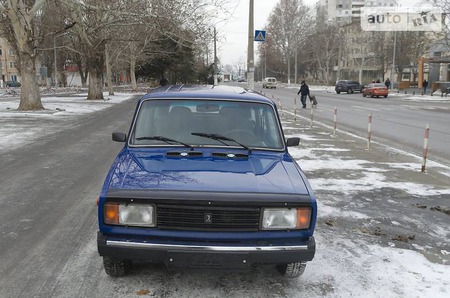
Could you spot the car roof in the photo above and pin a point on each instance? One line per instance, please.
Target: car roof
(206, 92)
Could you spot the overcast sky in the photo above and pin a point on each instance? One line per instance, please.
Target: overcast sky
(233, 32)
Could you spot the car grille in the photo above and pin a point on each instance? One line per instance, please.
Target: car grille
(204, 218)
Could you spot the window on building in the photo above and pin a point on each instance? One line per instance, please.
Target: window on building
(14, 78)
(11, 64)
(1, 52)
(11, 52)
(1, 65)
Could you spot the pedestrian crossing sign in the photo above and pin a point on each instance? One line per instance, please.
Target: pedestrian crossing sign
(260, 35)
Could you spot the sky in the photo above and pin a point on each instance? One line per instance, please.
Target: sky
(233, 32)
(342, 266)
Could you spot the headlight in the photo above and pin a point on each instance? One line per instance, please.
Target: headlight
(286, 218)
(129, 214)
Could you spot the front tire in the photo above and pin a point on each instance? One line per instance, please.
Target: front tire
(292, 270)
(338, 92)
(350, 90)
(116, 267)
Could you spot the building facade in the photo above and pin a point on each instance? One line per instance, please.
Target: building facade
(358, 53)
(8, 64)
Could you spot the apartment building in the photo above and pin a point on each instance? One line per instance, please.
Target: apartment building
(8, 63)
(357, 58)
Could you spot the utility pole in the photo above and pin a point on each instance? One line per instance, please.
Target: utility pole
(250, 55)
(265, 60)
(215, 59)
(393, 60)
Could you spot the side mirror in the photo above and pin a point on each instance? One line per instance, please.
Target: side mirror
(293, 142)
(119, 137)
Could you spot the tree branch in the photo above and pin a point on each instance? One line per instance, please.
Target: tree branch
(37, 5)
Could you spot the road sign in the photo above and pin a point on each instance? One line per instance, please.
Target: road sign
(260, 35)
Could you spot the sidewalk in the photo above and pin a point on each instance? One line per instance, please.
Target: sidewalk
(343, 162)
(378, 195)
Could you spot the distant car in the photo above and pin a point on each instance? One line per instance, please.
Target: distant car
(375, 89)
(241, 80)
(270, 82)
(348, 86)
(12, 84)
(205, 180)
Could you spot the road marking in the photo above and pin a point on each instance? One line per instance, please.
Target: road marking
(376, 109)
(433, 108)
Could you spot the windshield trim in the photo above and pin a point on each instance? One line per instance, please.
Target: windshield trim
(204, 146)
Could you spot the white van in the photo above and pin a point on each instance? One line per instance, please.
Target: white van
(270, 82)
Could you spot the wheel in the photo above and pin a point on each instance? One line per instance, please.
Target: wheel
(116, 267)
(350, 90)
(385, 96)
(292, 270)
(338, 92)
(371, 95)
(240, 134)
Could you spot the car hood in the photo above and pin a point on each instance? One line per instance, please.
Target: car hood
(268, 173)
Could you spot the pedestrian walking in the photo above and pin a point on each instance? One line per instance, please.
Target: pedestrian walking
(387, 83)
(425, 85)
(304, 93)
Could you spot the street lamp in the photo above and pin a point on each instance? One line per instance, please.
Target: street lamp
(393, 56)
(393, 60)
(54, 53)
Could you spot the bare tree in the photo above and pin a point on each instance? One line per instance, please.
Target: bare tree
(290, 23)
(324, 49)
(444, 5)
(20, 25)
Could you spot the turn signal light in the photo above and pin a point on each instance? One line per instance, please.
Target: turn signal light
(111, 213)
(303, 218)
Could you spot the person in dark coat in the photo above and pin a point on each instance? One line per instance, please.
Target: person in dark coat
(304, 93)
(163, 81)
(387, 83)
(425, 85)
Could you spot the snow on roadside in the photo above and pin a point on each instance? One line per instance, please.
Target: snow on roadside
(57, 110)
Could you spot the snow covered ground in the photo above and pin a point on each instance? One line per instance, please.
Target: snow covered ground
(353, 258)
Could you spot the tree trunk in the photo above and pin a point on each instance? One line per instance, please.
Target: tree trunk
(30, 98)
(108, 72)
(96, 63)
(289, 67)
(133, 73)
(95, 90)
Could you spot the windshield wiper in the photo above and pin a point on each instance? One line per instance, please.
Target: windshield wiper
(220, 138)
(164, 139)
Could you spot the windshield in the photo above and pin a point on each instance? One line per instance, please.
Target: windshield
(185, 122)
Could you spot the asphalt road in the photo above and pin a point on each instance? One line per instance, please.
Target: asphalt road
(396, 121)
(48, 202)
(48, 222)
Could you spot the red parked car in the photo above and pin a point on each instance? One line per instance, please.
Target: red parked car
(375, 89)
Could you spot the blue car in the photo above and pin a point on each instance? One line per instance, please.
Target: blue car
(205, 180)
